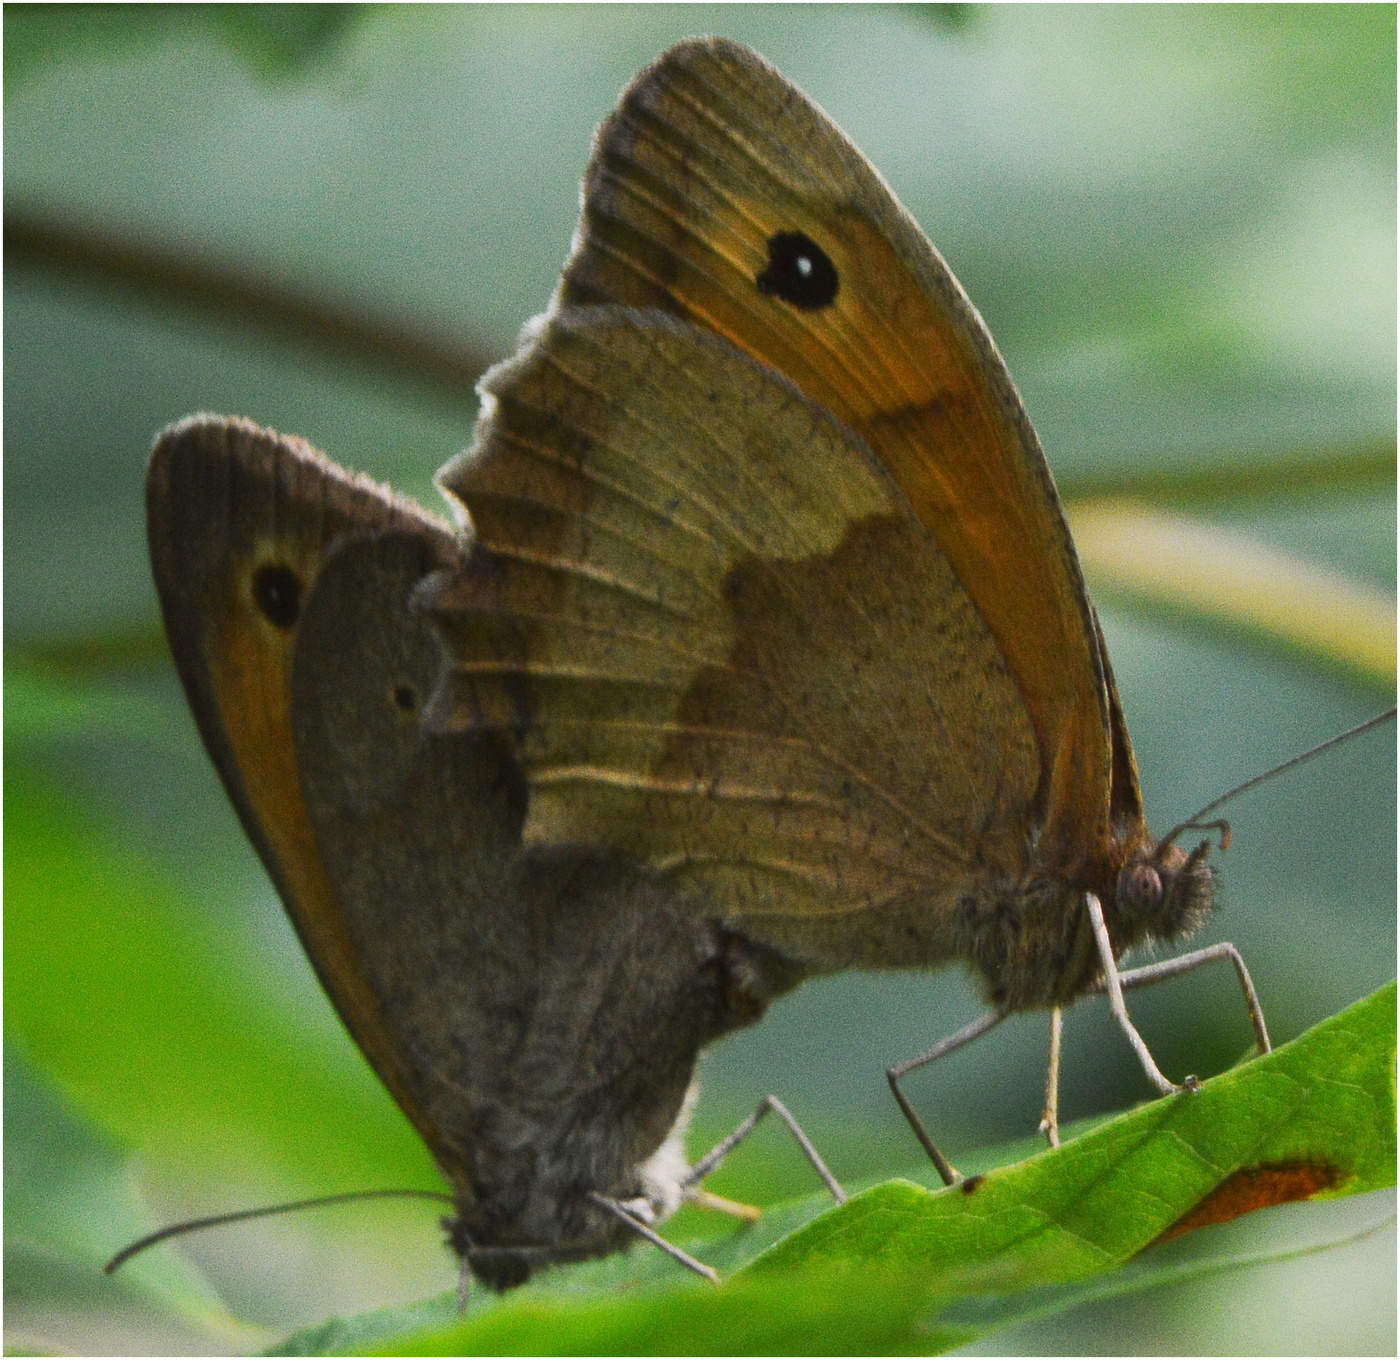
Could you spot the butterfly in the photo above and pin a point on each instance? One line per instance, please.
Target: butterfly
(759, 650)
(772, 589)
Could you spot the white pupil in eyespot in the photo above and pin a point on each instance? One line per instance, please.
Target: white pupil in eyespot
(804, 266)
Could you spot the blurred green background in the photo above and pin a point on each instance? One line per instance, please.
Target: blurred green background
(1179, 224)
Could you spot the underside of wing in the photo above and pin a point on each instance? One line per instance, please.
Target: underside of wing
(418, 837)
(718, 192)
(722, 645)
(241, 521)
(547, 1002)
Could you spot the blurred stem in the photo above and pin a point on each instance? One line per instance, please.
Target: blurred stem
(1353, 467)
(1193, 566)
(187, 275)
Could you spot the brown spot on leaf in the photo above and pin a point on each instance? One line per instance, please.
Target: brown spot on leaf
(970, 1185)
(1251, 1188)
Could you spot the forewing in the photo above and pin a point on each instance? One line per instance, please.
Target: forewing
(241, 521)
(703, 187)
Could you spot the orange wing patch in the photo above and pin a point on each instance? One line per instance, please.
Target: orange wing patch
(694, 203)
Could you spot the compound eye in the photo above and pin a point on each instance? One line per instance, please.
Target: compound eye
(1139, 887)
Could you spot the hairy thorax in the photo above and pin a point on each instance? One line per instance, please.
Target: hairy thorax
(1030, 940)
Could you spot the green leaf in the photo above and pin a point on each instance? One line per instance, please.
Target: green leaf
(811, 1314)
(1314, 1119)
(69, 1195)
(284, 40)
(234, 1086)
(43, 703)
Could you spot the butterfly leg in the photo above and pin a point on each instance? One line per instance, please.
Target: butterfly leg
(1186, 963)
(1050, 1116)
(704, 1199)
(1112, 984)
(464, 1285)
(725, 1146)
(625, 1215)
(966, 1035)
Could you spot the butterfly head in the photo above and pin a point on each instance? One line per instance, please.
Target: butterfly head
(1164, 893)
(503, 1241)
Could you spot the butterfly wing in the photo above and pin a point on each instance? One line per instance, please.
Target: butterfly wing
(417, 836)
(701, 610)
(719, 192)
(241, 522)
(536, 1013)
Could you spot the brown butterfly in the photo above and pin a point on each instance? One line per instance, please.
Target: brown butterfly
(771, 589)
(536, 1011)
(763, 652)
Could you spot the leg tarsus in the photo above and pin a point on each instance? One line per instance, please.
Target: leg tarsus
(1050, 1115)
(624, 1215)
(946, 1170)
(725, 1146)
(703, 1199)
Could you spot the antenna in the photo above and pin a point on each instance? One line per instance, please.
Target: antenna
(1194, 823)
(215, 1220)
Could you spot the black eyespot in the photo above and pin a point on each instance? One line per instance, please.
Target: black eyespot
(799, 271)
(277, 590)
(405, 698)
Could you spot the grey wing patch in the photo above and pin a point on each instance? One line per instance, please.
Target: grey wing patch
(545, 1003)
(418, 834)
